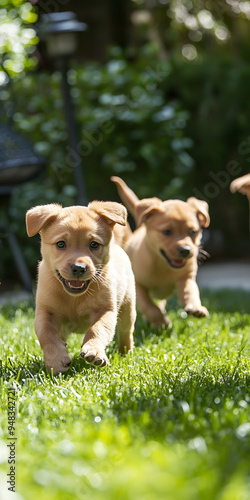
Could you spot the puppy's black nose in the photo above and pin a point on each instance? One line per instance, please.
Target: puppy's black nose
(78, 270)
(184, 251)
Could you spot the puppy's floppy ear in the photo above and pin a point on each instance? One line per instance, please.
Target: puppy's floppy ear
(147, 207)
(202, 210)
(115, 213)
(38, 216)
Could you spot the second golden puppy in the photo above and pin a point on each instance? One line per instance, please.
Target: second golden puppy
(85, 281)
(164, 250)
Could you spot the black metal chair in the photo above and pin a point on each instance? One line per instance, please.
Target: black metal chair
(18, 164)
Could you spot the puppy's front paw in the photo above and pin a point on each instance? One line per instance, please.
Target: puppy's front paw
(57, 357)
(199, 312)
(94, 354)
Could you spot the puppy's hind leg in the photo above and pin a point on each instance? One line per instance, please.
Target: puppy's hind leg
(125, 327)
(149, 309)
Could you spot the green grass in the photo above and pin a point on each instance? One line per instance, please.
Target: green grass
(170, 421)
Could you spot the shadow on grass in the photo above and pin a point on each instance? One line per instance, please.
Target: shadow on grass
(219, 301)
(224, 300)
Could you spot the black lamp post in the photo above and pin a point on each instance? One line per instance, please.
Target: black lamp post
(59, 30)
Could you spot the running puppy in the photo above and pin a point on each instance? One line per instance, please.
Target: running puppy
(163, 251)
(85, 281)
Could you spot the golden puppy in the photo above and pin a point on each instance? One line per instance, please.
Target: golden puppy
(242, 184)
(85, 281)
(164, 250)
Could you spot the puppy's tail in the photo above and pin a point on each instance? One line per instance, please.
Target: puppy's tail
(127, 196)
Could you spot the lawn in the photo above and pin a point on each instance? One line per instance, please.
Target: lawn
(170, 421)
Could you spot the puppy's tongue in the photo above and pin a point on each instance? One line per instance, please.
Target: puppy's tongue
(177, 262)
(75, 283)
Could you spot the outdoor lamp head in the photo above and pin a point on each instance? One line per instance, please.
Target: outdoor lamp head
(18, 160)
(59, 30)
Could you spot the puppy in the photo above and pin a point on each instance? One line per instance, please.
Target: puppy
(164, 250)
(242, 184)
(85, 281)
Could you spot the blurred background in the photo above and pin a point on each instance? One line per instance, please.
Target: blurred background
(160, 94)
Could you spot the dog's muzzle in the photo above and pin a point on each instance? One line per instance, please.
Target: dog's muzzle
(75, 286)
(175, 263)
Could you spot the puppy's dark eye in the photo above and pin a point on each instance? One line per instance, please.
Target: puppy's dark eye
(192, 232)
(61, 245)
(94, 245)
(167, 232)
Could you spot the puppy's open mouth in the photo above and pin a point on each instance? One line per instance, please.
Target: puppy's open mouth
(176, 263)
(73, 286)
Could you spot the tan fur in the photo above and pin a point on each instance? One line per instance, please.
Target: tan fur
(62, 306)
(150, 251)
(242, 184)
